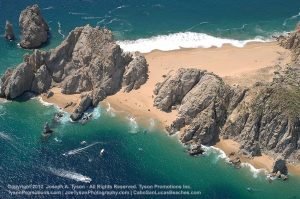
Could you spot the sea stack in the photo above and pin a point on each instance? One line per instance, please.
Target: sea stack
(9, 32)
(34, 29)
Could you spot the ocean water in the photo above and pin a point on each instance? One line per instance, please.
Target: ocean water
(133, 154)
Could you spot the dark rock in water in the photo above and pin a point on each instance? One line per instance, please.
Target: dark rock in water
(85, 118)
(47, 131)
(34, 29)
(235, 160)
(58, 116)
(196, 150)
(9, 32)
(88, 61)
(280, 166)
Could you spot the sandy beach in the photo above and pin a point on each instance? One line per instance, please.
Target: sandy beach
(243, 66)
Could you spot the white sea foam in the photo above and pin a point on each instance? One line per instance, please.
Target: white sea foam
(290, 18)
(133, 125)
(59, 30)
(182, 40)
(218, 153)
(253, 170)
(110, 110)
(44, 102)
(70, 175)
(79, 150)
(117, 8)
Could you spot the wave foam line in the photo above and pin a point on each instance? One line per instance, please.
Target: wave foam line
(290, 18)
(253, 170)
(181, 40)
(59, 30)
(70, 175)
(133, 125)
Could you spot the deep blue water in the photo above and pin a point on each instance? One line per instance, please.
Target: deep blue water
(131, 155)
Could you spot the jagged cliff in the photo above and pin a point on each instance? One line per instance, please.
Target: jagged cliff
(262, 118)
(88, 61)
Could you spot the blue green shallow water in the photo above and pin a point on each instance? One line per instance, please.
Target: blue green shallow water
(133, 158)
(139, 158)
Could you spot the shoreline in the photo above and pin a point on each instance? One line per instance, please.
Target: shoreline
(255, 58)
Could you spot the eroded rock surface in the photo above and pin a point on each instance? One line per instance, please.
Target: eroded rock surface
(34, 29)
(263, 118)
(88, 61)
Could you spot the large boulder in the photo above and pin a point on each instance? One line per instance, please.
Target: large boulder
(280, 166)
(84, 104)
(9, 32)
(34, 29)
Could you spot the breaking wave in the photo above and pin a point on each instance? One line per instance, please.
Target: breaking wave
(182, 40)
(291, 18)
(255, 172)
(70, 175)
(133, 125)
(59, 30)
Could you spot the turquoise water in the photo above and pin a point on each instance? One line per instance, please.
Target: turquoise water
(134, 154)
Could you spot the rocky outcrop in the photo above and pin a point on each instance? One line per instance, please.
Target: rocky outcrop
(280, 166)
(34, 29)
(9, 32)
(263, 118)
(47, 131)
(135, 73)
(292, 42)
(202, 100)
(88, 61)
(84, 104)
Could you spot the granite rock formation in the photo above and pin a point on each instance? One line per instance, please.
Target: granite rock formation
(88, 61)
(34, 29)
(292, 42)
(263, 118)
(9, 32)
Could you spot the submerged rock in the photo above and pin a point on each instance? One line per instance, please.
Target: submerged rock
(87, 61)
(34, 29)
(9, 32)
(196, 150)
(47, 131)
